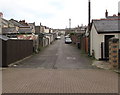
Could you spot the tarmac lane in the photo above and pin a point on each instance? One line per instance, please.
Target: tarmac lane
(56, 56)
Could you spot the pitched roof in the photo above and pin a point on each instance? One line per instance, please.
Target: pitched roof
(5, 38)
(25, 30)
(9, 30)
(6, 22)
(16, 23)
(107, 25)
(112, 17)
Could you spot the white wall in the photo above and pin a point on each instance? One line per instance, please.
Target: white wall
(49, 39)
(46, 31)
(95, 42)
(51, 31)
(52, 38)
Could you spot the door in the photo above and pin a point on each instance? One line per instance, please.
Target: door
(107, 37)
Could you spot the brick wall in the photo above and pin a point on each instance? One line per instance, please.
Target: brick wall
(113, 51)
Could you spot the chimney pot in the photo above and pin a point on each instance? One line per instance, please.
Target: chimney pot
(118, 14)
(114, 15)
(106, 14)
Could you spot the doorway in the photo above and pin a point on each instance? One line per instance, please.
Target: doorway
(106, 49)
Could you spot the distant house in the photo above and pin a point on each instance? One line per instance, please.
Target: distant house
(22, 22)
(51, 30)
(42, 28)
(101, 31)
(47, 30)
(6, 23)
(25, 30)
(10, 32)
(37, 30)
(77, 36)
(16, 23)
(32, 25)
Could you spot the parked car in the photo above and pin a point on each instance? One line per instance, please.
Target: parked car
(58, 37)
(68, 41)
(67, 36)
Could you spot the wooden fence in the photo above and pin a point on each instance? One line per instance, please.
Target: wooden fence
(14, 50)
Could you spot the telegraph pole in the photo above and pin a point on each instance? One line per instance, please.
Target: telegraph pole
(89, 13)
(89, 19)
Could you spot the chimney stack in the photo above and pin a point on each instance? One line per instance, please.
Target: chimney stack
(40, 24)
(118, 13)
(106, 14)
(1, 14)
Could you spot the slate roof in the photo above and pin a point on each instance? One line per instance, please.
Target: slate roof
(16, 23)
(5, 38)
(107, 25)
(31, 24)
(112, 17)
(25, 30)
(9, 30)
(6, 22)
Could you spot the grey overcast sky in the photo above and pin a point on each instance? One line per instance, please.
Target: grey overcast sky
(56, 13)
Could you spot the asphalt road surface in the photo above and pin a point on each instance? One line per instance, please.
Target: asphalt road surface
(58, 55)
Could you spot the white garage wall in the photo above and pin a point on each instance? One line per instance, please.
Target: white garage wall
(96, 40)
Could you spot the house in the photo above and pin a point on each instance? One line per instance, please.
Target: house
(42, 28)
(51, 30)
(101, 31)
(16, 23)
(37, 30)
(32, 25)
(6, 23)
(22, 22)
(47, 30)
(10, 32)
(25, 30)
